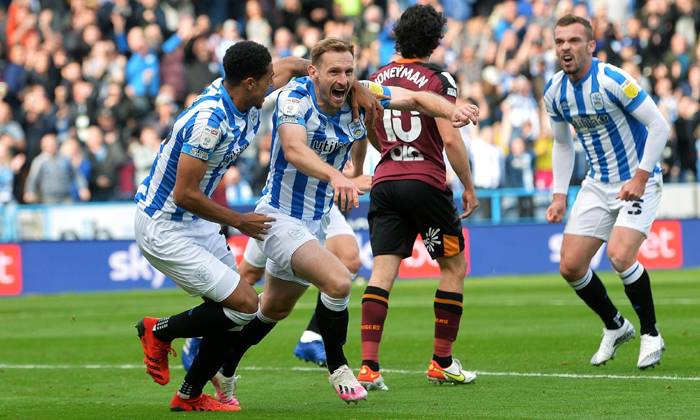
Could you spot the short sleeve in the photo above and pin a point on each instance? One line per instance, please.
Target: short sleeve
(549, 104)
(204, 135)
(448, 87)
(292, 107)
(623, 89)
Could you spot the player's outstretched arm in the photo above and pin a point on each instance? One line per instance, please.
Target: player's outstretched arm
(458, 156)
(286, 68)
(433, 105)
(562, 168)
(658, 131)
(188, 195)
(298, 153)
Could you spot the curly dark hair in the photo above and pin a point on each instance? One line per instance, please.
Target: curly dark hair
(245, 59)
(418, 31)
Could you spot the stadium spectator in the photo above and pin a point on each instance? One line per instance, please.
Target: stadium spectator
(11, 130)
(257, 28)
(106, 156)
(9, 167)
(51, 176)
(143, 152)
(201, 68)
(487, 163)
(142, 69)
(73, 151)
(37, 118)
(520, 174)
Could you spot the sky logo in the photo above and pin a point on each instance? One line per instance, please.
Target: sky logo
(131, 265)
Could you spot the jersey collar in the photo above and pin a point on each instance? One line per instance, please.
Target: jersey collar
(579, 83)
(401, 60)
(228, 102)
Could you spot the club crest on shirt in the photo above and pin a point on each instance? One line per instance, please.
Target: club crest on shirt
(597, 101)
(357, 129)
(253, 116)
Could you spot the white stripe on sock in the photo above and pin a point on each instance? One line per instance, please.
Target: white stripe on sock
(336, 305)
(632, 274)
(583, 281)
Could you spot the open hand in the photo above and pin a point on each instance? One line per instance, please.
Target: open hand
(345, 194)
(469, 203)
(254, 225)
(465, 114)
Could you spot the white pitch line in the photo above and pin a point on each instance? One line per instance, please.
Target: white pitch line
(396, 371)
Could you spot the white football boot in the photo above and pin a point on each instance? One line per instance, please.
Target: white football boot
(650, 350)
(612, 339)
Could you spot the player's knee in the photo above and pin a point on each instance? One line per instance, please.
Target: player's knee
(353, 264)
(571, 270)
(249, 304)
(340, 288)
(276, 311)
(620, 258)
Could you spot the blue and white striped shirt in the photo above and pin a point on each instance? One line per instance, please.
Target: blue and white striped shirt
(330, 136)
(211, 129)
(601, 108)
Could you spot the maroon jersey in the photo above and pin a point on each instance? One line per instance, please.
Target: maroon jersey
(411, 144)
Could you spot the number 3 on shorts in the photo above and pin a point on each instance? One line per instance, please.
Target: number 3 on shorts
(636, 208)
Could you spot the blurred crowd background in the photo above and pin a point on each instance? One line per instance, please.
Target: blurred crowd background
(88, 88)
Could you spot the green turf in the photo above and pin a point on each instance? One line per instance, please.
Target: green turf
(533, 324)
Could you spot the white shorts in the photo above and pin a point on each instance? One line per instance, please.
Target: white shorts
(192, 253)
(337, 226)
(597, 210)
(285, 236)
(253, 253)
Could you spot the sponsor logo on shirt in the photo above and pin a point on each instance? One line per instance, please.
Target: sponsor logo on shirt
(199, 153)
(291, 107)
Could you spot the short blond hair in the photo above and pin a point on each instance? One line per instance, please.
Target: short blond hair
(330, 44)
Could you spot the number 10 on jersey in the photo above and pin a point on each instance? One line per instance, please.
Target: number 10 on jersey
(395, 131)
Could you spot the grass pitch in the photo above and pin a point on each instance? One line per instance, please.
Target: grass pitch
(530, 339)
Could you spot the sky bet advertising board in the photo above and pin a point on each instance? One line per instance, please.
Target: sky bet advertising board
(63, 266)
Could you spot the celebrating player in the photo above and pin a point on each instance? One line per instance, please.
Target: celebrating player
(177, 223)
(623, 134)
(410, 196)
(312, 137)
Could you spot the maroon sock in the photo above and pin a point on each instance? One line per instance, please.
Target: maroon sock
(375, 305)
(448, 311)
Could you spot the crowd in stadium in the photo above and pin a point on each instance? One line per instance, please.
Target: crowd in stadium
(90, 87)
